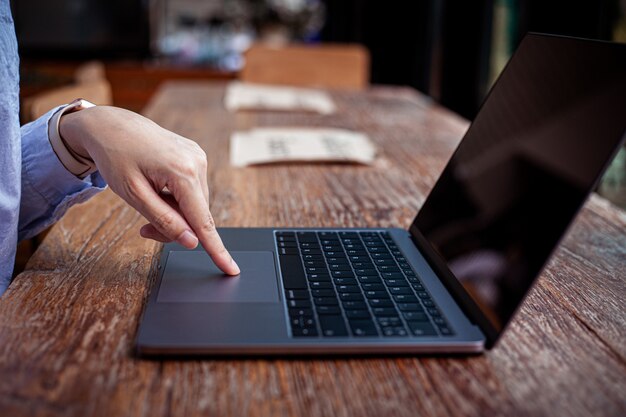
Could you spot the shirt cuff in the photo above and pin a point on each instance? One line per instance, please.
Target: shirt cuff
(44, 170)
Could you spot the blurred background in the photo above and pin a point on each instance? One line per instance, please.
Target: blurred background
(451, 50)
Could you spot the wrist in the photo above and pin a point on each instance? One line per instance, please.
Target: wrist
(73, 132)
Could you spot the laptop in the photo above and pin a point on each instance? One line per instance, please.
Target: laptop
(454, 280)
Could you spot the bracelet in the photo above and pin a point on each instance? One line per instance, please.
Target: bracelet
(77, 164)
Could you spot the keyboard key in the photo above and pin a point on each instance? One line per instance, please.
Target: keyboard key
(326, 301)
(397, 282)
(318, 277)
(353, 246)
(343, 274)
(420, 328)
(318, 285)
(327, 309)
(293, 312)
(303, 332)
(357, 314)
(354, 305)
(308, 251)
(345, 281)
(373, 287)
(363, 265)
(369, 279)
(387, 268)
(362, 327)
(309, 245)
(401, 290)
(428, 303)
(371, 272)
(333, 326)
(402, 298)
(287, 244)
(297, 294)
(301, 321)
(323, 293)
(336, 260)
(351, 296)
(376, 294)
(339, 267)
(415, 316)
(376, 249)
(292, 272)
(281, 234)
(288, 251)
(355, 252)
(314, 270)
(394, 331)
(423, 294)
(348, 288)
(410, 307)
(313, 257)
(394, 275)
(299, 304)
(385, 311)
(380, 302)
(359, 258)
(389, 321)
(307, 236)
(317, 264)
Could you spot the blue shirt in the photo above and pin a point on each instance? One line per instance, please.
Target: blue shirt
(35, 188)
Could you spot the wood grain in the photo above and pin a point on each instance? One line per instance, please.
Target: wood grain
(67, 324)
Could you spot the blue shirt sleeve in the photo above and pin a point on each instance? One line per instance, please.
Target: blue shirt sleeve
(48, 188)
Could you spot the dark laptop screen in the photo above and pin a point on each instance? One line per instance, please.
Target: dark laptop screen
(541, 139)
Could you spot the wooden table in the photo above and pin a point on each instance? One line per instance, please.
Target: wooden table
(68, 323)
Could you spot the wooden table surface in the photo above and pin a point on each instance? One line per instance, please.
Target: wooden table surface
(68, 323)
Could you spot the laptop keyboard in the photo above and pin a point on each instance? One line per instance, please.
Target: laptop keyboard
(341, 284)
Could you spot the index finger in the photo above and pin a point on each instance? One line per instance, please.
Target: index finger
(195, 209)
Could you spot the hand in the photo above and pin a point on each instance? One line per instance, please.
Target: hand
(161, 174)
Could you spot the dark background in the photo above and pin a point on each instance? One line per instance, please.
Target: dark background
(443, 47)
(440, 47)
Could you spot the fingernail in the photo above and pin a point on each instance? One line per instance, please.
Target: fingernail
(188, 240)
(233, 263)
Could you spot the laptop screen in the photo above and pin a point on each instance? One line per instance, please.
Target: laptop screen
(543, 136)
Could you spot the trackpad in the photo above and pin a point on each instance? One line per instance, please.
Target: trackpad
(192, 277)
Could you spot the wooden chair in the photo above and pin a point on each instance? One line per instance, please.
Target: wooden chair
(90, 84)
(327, 65)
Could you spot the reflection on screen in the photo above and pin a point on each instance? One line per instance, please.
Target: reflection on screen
(542, 137)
